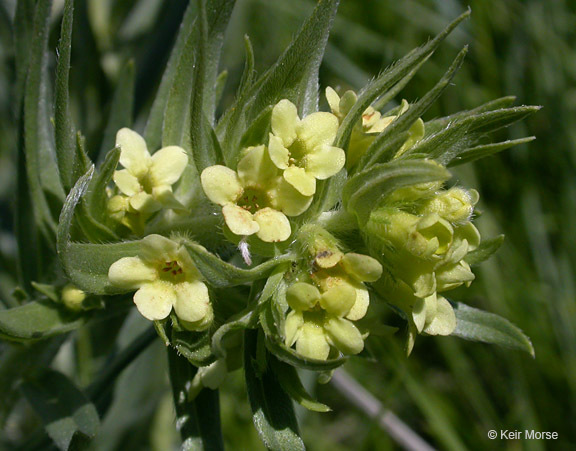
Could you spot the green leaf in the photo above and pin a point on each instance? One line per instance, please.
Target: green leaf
(69, 417)
(366, 190)
(86, 265)
(121, 110)
(294, 76)
(221, 274)
(290, 356)
(64, 127)
(290, 382)
(249, 73)
(96, 197)
(478, 325)
(197, 420)
(203, 100)
(41, 166)
(272, 409)
(458, 136)
(194, 346)
(154, 125)
(38, 320)
(389, 78)
(405, 121)
(478, 152)
(484, 251)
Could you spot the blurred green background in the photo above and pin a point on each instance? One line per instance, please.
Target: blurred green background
(449, 391)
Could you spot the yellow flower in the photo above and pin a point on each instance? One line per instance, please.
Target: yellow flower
(255, 199)
(323, 311)
(302, 148)
(165, 278)
(372, 124)
(146, 182)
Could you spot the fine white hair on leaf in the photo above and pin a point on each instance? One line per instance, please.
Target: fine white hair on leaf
(244, 249)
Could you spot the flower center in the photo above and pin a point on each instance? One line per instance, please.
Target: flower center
(253, 199)
(171, 270)
(298, 151)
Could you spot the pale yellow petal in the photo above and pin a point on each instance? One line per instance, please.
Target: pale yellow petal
(221, 184)
(158, 248)
(338, 301)
(333, 100)
(302, 296)
(134, 154)
(165, 195)
(239, 221)
(130, 273)
(317, 130)
(361, 305)
(255, 167)
(444, 321)
(289, 200)
(167, 165)
(274, 225)
(192, 301)
(347, 101)
(284, 120)
(362, 267)
(312, 342)
(145, 203)
(304, 182)
(279, 154)
(126, 182)
(292, 326)
(325, 162)
(155, 300)
(344, 335)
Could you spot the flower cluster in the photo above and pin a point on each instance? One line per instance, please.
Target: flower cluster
(325, 302)
(278, 180)
(145, 185)
(425, 241)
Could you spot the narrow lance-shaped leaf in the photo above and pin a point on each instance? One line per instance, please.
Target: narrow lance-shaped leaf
(293, 77)
(86, 265)
(120, 110)
(69, 418)
(484, 251)
(368, 189)
(221, 274)
(477, 325)
(272, 409)
(37, 320)
(38, 137)
(404, 121)
(198, 420)
(478, 152)
(290, 381)
(64, 128)
(153, 132)
(389, 78)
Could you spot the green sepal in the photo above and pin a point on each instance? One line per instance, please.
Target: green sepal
(484, 251)
(69, 418)
(477, 325)
(272, 409)
(38, 320)
(291, 383)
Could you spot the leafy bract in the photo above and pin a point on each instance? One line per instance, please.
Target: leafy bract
(477, 325)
